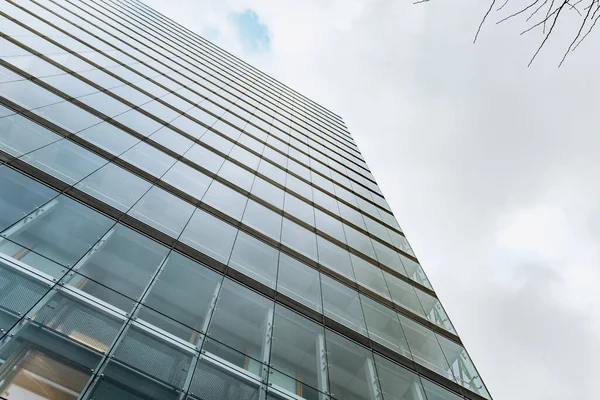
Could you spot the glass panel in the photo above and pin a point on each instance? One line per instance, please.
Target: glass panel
(226, 200)
(434, 311)
(297, 352)
(172, 140)
(109, 138)
(149, 159)
(436, 392)
(236, 175)
(63, 230)
(241, 321)
(424, 347)
(115, 186)
(352, 373)
(81, 330)
(187, 179)
(18, 135)
(213, 380)
(245, 157)
(268, 192)
(255, 259)
(388, 257)
(342, 304)
(68, 116)
(153, 357)
(335, 258)
(300, 239)
(414, 271)
(384, 326)
(359, 241)
(138, 122)
(262, 219)
(299, 209)
(163, 211)
(300, 282)
(462, 366)
(185, 291)
(330, 226)
(210, 235)
(20, 196)
(205, 158)
(369, 276)
(404, 294)
(271, 171)
(124, 261)
(19, 291)
(65, 160)
(398, 383)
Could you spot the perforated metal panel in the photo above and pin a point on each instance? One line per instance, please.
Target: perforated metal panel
(210, 383)
(79, 321)
(18, 293)
(106, 390)
(154, 357)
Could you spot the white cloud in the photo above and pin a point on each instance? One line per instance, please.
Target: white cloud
(491, 167)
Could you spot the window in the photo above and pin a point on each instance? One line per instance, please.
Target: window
(115, 186)
(187, 179)
(149, 159)
(65, 160)
(205, 158)
(404, 294)
(18, 135)
(297, 361)
(335, 258)
(239, 327)
(209, 235)
(226, 200)
(262, 219)
(236, 175)
(369, 276)
(163, 211)
(352, 373)
(299, 209)
(398, 383)
(268, 192)
(300, 282)
(185, 292)
(383, 326)
(299, 239)
(255, 259)
(342, 304)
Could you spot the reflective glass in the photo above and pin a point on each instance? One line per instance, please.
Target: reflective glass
(205, 158)
(352, 372)
(222, 382)
(19, 135)
(398, 383)
(335, 258)
(462, 367)
(226, 200)
(404, 294)
(300, 282)
(299, 209)
(65, 160)
(297, 353)
(262, 219)
(163, 211)
(109, 138)
(424, 347)
(369, 276)
(342, 304)
(383, 326)
(414, 271)
(209, 235)
(187, 179)
(434, 311)
(20, 196)
(115, 186)
(300, 239)
(124, 260)
(268, 192)
(435, 392)
(149, 159)
(185, 292)
(242, 321)
(255, 259)
(61, 231)
(172, 140)
(236, 175)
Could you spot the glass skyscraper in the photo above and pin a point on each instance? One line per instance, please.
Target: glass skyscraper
(175, 224)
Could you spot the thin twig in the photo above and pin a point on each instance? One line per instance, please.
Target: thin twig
(576, 37)
(483, 20)
(549, 33)
(518, 12)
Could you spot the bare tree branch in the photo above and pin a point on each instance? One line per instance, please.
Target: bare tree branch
(588, 12)
(483, 20)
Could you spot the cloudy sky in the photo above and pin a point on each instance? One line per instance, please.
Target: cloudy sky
(492, 168)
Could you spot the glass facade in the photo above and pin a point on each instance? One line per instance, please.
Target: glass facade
(175, 224)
